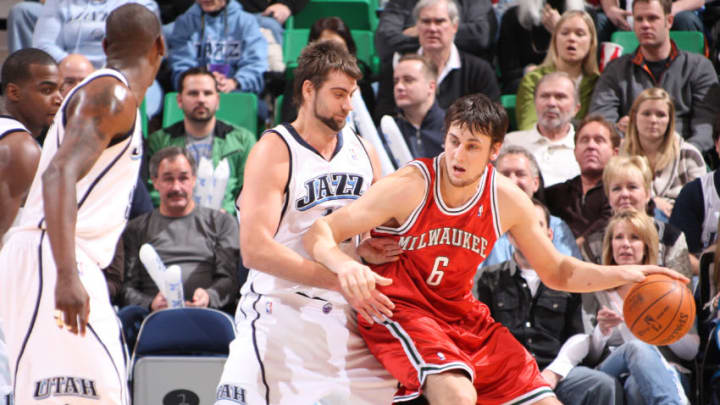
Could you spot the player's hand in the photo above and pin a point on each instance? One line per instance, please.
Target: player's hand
(647, 270)
(608, 319)
(619, 17)
(379, 250)
(159, 302)
(72, 304)
(278, 11)
(551, 377)
(357, 284)
(201, 299)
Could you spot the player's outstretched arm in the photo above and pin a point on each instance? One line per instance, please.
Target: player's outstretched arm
(556, 270)
(97, 113)
(19, 158)
(261, 204)
(391, 200)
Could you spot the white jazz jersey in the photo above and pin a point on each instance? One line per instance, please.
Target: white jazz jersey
(316, 187)
(9, 125)
(103, 195)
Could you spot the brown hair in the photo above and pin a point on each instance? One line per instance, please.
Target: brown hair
(317, 60)
(614, 136)
(643, 225)
(478, 113)
(665, 4)
(429, 67)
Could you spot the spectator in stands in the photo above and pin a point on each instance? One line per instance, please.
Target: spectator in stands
(697, 207)
(525, 34)
(573, 50)
(627, 181)
(460, 72)
(21, 21)
(542, 320)
(203, 135)
(614, 15)
(519, 165)
(73, 69)
(219, 35)
(673, 161)
(398, 29)
(581, 201)
(551, 140)
(658, 62)
(631, 238)
(419, 118)
(202, 241)
(272, 14)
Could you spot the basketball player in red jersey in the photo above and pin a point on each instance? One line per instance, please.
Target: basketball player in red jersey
(446, 214)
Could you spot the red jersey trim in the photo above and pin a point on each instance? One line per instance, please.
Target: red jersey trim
(417, 211)
(441, 202)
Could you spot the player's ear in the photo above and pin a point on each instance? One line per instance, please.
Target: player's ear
(495, 150)
(307, 89)
(12, 92)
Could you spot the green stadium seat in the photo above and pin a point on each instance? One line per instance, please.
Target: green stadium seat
(144, 119)
(690, 41)
(296, 39)
(357, 14)
(508, 101)
(236, 108)
(277, 115)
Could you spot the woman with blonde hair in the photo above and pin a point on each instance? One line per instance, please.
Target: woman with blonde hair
(654, 374)
(673, 161)
(573, 50)
(627, 181)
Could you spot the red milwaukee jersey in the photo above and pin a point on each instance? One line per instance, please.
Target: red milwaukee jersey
(442, 247)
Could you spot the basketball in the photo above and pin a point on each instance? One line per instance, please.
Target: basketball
(660, 310)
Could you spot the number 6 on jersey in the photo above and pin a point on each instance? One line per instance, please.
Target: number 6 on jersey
(436, 276)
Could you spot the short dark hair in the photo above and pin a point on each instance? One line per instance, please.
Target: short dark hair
(430, 68)
(131, 29)
(170, 152)
(336, 25)
(478, 113)
(16, 67)
(614, 135)
(317, 60)
(665, 4)
(194, 71)
(545, 210)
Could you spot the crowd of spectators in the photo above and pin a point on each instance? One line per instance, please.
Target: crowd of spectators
(607, 156)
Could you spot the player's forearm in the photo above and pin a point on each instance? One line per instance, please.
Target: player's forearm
(60, 206)
(574, 275)
(265, 254)
(321, 245)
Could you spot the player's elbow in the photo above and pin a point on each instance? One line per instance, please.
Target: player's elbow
(251, 250)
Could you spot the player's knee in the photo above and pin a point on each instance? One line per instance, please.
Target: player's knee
(450, 388)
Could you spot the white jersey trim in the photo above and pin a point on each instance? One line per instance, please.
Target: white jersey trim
(464, 208)
(494, 207)
(410, 221)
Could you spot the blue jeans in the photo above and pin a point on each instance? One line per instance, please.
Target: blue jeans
(21, 24)
(585, 386)
(132, 317)
(650, 381)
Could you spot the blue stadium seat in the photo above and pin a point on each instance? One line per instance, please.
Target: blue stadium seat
(180, 354)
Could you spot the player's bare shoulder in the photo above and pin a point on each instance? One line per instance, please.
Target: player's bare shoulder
(512, 202)
(105, 102)
(17, 150)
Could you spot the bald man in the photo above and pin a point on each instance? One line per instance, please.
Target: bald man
(73, 69)
(60, 350)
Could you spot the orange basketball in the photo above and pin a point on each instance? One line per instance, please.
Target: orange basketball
(660, 310)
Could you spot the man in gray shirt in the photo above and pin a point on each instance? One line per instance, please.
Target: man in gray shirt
(202, 241)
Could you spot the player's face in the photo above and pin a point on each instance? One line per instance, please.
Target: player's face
(175, 182)
(199, 99)
(411, 87)
(39, 97)
(628, 191)
(467, 155)
(651, 25)
(627, 245)
(651, 121)
(435, 29)
(331, 103)
(555, 102)
(593, 148)
(517, 168)
(211, 6)
(573, 40)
